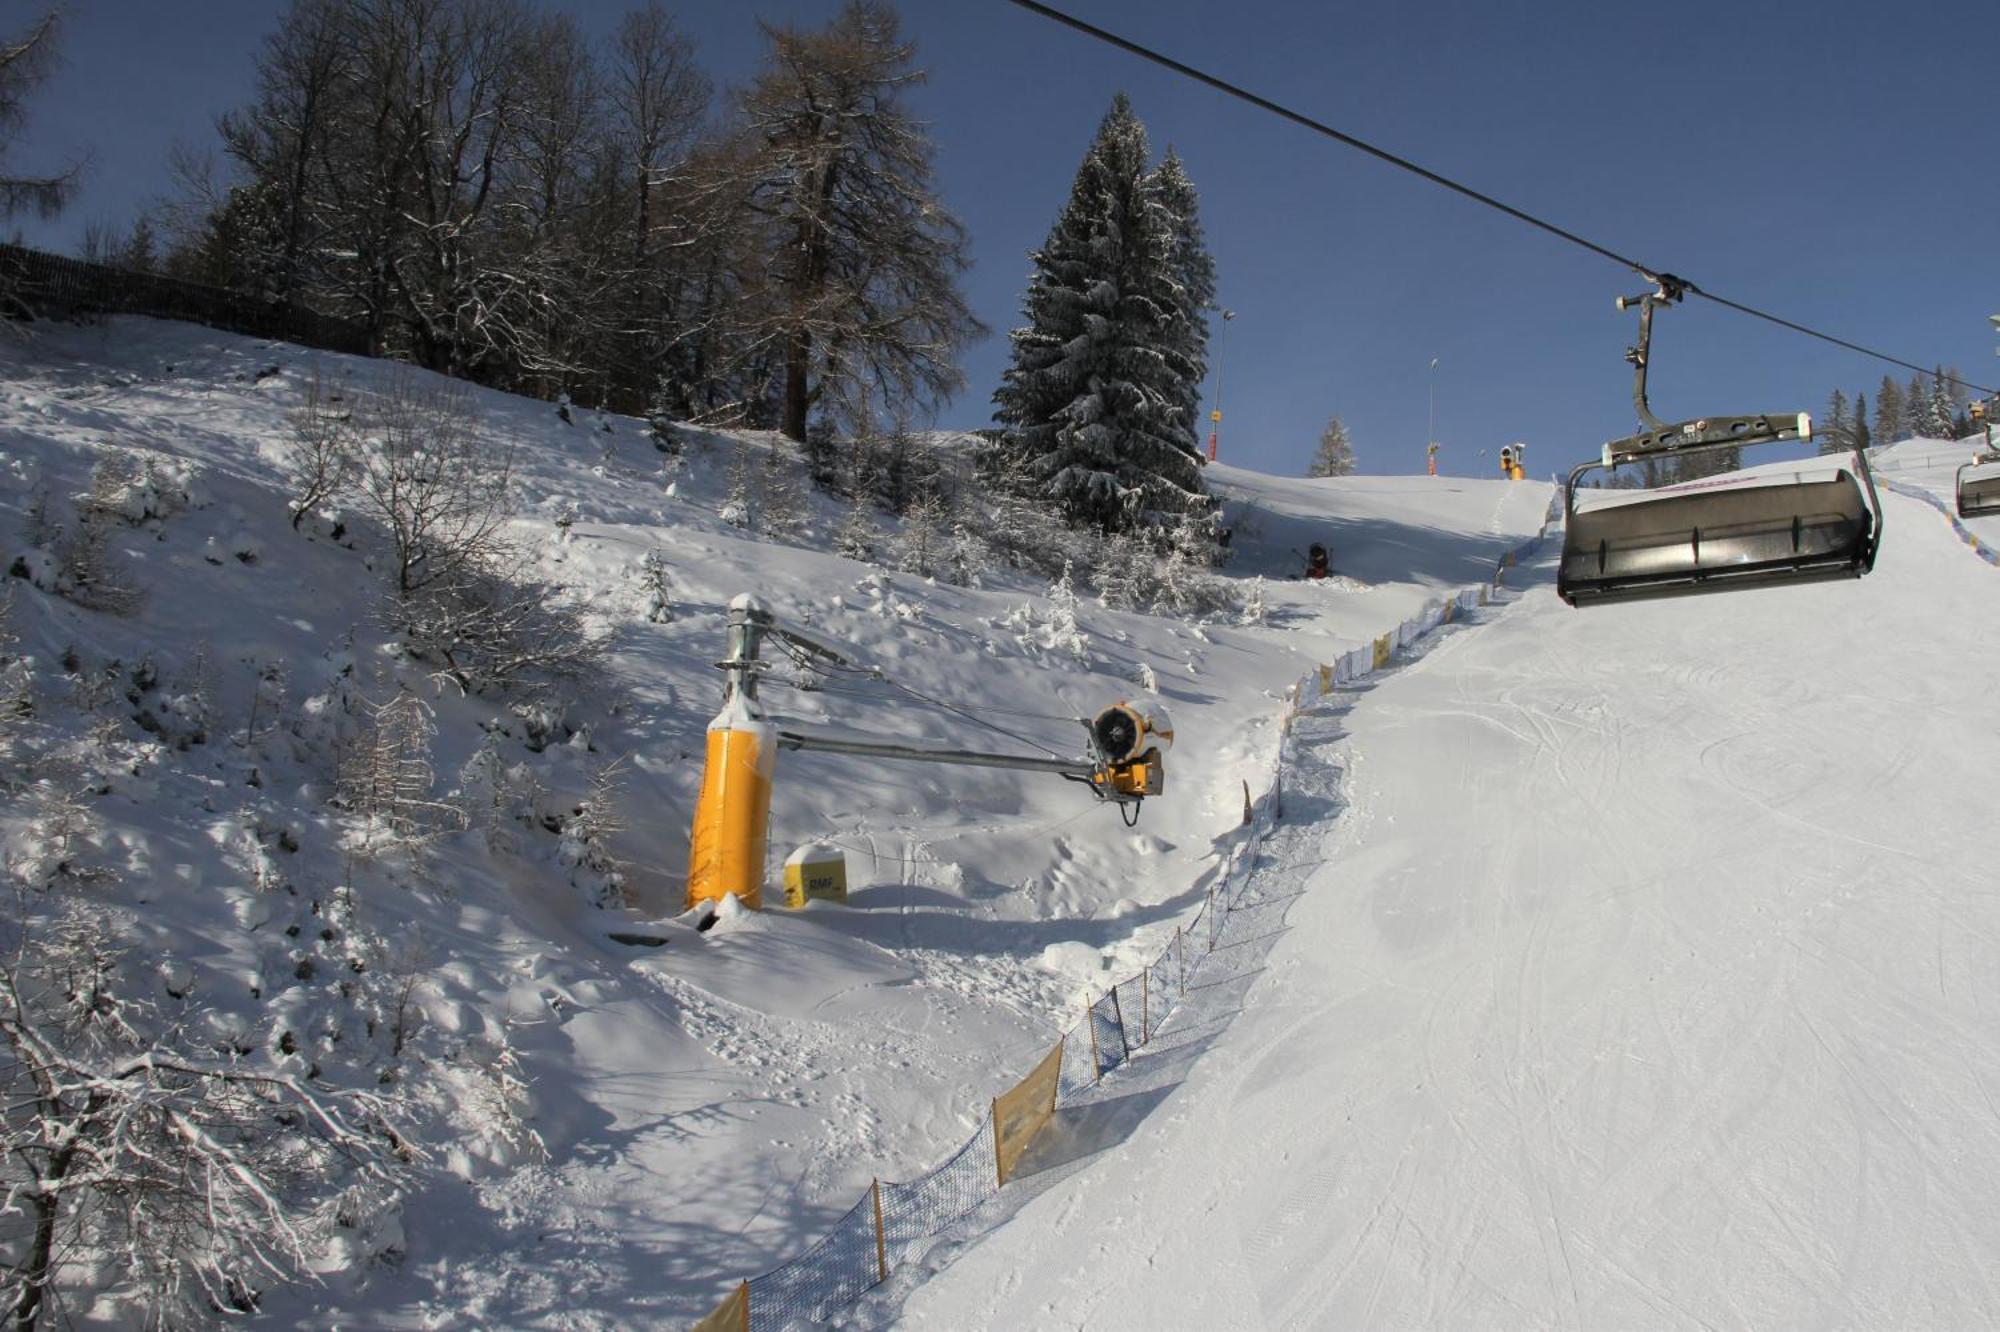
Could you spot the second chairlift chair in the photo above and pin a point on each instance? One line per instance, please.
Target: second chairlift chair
(1715, 540)
(1980, 494)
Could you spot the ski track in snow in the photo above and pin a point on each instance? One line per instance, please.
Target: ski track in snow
(1668, 1001)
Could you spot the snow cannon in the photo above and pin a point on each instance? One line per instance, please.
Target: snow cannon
(733, 813)
(732, 816)
(1127, 743)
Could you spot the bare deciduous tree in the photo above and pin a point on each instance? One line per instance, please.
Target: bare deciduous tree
(325, 459)
(440, 492)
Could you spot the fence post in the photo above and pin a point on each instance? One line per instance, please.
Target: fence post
(1145, 1005)
(1211, 918)
(881, 1246)
(1090, 1025)
(1180, 953)
(1118, 1011)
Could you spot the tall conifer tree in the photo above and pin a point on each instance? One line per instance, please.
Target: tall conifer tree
(1191, 274)
(1095, 402)
(1835, 436)
(1889, 412)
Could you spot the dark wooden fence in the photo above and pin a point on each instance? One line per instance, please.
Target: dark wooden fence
(34, 285)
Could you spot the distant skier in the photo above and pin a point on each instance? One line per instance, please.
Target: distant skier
(1316, 562)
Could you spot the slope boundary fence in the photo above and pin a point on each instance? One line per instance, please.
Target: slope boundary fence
(37, 285)
(889, 1223)
(1982, 549)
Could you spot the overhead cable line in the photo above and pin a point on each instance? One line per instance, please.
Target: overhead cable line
(1647, 271)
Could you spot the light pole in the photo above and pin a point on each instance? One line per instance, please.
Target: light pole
(1215, 416)
(1431, 432)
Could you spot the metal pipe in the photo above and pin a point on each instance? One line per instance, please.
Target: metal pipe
(964, 757)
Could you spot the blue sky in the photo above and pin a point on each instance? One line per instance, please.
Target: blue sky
(1828, 161)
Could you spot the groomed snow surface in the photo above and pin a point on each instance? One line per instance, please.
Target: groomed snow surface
(1624, 967)
(1646, 976)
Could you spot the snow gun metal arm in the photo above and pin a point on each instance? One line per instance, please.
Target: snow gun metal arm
(1120, 766)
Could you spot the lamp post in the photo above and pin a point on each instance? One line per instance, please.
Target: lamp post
(1431, 431)
(1215, 416)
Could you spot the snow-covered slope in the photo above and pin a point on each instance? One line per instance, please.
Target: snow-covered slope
(1646, 977)
(620, 1132)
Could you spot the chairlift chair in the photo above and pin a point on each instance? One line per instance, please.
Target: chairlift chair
(1980, 494)
(1722, 539)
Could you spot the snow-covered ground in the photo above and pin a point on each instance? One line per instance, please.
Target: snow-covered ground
(619, 1133)
(1624, 967)
(1645, 975)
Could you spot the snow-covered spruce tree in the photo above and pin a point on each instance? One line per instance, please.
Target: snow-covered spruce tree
(1336, 452)
(1937, 409)
(863, 259)
(1190, 272)
(1095, 400)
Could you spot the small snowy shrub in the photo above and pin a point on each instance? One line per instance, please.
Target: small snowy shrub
(655, 587)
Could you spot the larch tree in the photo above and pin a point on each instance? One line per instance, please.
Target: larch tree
(862, 261)
(1336, 451)
(25, 58)
(1095, 401)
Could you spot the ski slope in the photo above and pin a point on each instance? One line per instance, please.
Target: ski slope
(1637, 966)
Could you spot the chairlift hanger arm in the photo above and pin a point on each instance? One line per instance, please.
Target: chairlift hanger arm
(1711, 432)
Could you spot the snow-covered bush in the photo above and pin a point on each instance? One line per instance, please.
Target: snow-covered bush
(387, 777)
(739, 505)
(586, 841)
(169, 1183)
(325, 452)
(440, 492)
(655, 587)
(1253, 604)
(133, 490)
(81, 568)
(486, 632)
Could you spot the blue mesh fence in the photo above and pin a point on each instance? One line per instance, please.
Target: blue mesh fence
(846, 1262)
(1109, 1030)
(1132, 1002)
(1163, 990)
(1079, 1069)
(924, 1207)
(829, 1274)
